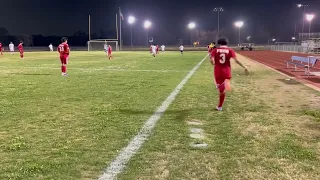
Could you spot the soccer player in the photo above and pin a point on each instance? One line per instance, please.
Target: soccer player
(181, 49)
(157, 49)
(20, 47)
(64, 51)
(220, 58)
(11, 48)
(110, 52)
(1, 48)
(105, 47)
(153, 50)
(162, 48)
(50, 47)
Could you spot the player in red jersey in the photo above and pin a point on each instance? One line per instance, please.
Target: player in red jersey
(64, 51)
(110, 52)
(220, 58)
(1, 48)
(151, 48)
(20, 47)
(157, 49)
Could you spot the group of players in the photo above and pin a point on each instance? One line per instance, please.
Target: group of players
(11, 49)
(220, 57)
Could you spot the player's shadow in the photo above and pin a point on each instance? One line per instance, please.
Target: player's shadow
(31, 74)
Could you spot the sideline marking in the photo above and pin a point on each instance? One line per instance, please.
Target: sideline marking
(119, 163)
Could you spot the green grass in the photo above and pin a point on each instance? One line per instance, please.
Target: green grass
(55, 127)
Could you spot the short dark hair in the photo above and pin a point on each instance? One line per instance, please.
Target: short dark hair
(223, 41)
(64, 39)
(213, 42)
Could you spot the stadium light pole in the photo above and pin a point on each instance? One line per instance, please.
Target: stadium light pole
(218, 10)
(191, 26)
(309, 18)
(239, 24)
(304, 11)
(147, 25)
(131, 20)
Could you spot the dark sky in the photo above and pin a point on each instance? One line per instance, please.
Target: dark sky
(63, 17)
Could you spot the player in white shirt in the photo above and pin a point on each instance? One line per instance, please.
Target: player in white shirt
(11, 47)
(105, 48)
(181, 49)
(154, 50)
(162, 48)
(50, 47)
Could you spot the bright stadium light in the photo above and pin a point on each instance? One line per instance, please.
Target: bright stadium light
(191, 25)
(131, 19)
(273, 39)
(293, 38)
(239, 24)
(303, 14)
(147, 24)
(299, 5)
(309, 18)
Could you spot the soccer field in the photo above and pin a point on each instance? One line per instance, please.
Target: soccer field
(55, 127)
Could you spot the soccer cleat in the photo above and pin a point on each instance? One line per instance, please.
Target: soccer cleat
(64, 74)
(219, 108)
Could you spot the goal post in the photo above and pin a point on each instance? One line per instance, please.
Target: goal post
(98, 44)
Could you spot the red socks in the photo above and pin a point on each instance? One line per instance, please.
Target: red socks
(63, 69)
(222, 94)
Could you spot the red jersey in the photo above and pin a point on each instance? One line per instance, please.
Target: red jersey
(109, 50)
(20, 47)
(63, 49)
(0, 46)
(157, 48)
(222, 56)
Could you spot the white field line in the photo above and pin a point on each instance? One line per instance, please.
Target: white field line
(120, 162)
(102, 69)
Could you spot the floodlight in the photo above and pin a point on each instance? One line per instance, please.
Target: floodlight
(147, 24)
(309, 17)
(191, 25)
(131, 19)
(239, 24)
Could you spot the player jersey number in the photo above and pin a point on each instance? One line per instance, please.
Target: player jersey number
(61, 48)
(222, 58)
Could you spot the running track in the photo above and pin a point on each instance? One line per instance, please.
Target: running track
(277, 60)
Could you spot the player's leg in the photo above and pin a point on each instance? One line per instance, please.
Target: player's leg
(21, 54)
(221, 88)
(63, 65)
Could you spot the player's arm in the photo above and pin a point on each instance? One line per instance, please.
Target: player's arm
(233, 54)
(212, 55)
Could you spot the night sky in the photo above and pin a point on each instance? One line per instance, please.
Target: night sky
(64, 17)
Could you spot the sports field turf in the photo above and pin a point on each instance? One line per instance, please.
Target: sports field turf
(55, 127)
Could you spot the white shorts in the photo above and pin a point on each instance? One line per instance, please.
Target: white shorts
(11, 50)
(154, 52)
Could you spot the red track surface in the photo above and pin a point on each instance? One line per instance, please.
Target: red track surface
(277, 60)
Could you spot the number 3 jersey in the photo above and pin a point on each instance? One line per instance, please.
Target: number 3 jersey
(63, 49)
(222, 56)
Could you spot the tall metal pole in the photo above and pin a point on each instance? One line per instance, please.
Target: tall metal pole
(131, 37)
(218, 25)
(310, 29)
(147, 37)
(117, 29)
(295, 30)
(304, 11)
(218, 9)
(89, 33)
(239, 36)
(120, 35)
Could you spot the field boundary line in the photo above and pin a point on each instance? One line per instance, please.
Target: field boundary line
(120, 162)
(290, 77)
(102, 69)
